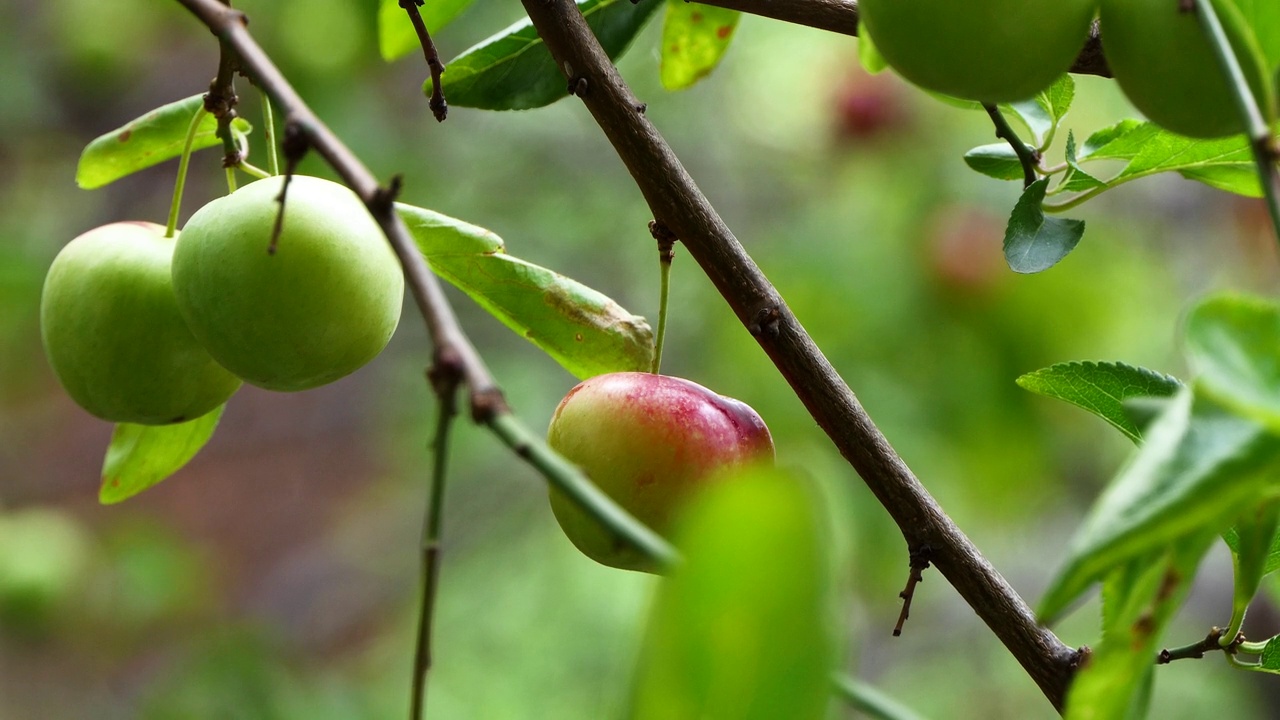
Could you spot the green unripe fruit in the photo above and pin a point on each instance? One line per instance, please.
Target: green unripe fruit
(319, 307)
(1165, 65)
(987, 50)
(649, 442)
(113, 333)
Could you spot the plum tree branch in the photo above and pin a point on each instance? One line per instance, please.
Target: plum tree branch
(677, 202)
(841, 16)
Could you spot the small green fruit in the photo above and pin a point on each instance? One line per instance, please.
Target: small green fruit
(1165, 65)
(113, 333)
(317, 309)
(649, 442)
(986, 50)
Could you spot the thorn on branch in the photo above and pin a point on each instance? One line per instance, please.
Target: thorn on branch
(439, 108)
(920, 558)
(384, 198)
(641, 107)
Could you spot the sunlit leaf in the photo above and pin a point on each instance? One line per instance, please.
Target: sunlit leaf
(1043, 113)
(580, 328)
(1234, 344)
(1197, 469)
(1224, 163)
(741, 630)
(148, 140)
(1034, 242)
(694, 38)
(140, 456)
(513, 70)
(396, 36)
(1101, 388)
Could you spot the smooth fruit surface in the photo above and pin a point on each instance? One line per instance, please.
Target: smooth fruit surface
(986, 50)
(113, 333)
(1166, 67)
(321, 306)
(648, 441)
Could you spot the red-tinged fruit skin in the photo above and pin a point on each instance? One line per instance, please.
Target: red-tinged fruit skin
(648, 441)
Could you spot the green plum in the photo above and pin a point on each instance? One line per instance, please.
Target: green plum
(1165, 65)
(649, 442)
(319, 307)
(991, 51)
(113, 333)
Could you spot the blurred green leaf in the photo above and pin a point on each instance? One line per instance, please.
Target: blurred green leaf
(741, 630)
(140, 456)
(871, 702)
(997, 160)
(582, 329)
(868, 56)
(1262, 18)
(694, 38)
(1101, 388)
(1233, 341)
(1254, 552)
(1138, 600)
(1271, 655)
(1198, 468)
(1034, 242)
(396, 36)
(513, 70)
(148, 140)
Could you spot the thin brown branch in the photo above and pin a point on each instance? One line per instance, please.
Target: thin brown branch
(919, 563)
(1027, 156)
(439, 108)
(841, 16)
(678, 203)
(442, 325)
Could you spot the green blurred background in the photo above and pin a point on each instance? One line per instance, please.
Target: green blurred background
(275, 576)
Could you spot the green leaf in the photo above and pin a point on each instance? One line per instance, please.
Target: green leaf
(1198, 468)
(140, 456)
(1224, 163)
(1271, 655)
(1043, 113)
(1139, 598)
(149, 140)
(583, 330)
(694, 38)
(873, 703)
(1263, 18)
(1254, 553)
(514, 71)
(997, 160)
(868, 56)
(1076, 179)
(1034, 242)
(396, 36)
(741, 629)
(1101, 388)
(1112, 138)
(1233, 341)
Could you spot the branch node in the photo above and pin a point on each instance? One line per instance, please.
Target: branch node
(920, 557)
(578, 86)
(766, 323)
(384, 198)
(641, 107)
(666, 240)
(487, 404)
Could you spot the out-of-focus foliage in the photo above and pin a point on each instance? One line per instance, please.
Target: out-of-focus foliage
(280, 564)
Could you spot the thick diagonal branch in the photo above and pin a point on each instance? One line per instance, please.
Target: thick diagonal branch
(678, 203)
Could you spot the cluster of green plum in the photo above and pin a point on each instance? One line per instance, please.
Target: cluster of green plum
(148, 329)
(996, 51)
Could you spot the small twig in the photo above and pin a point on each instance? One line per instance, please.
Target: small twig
(221, 101)
(295, 147)
(919, 563)
(1026, 155)
(439, 108)
(1197, 650)
(446, 377)
(1265, 151)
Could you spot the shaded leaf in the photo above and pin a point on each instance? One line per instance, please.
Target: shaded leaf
(148, 140)
(140, 456)
(513, 69)
(997, 160)
(1101, 388)
(1034, 242)
(1198, 468)
(396, 36)
(583, 330)
(1254, 553)
(694, 38)
(741, 629)
(1233, 341)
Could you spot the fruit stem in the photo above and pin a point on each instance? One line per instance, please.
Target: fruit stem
(571, 481)
(231, 180)
(1260, 137)
(180, 184)
(666, 253)
(269, 133)
(254, 170)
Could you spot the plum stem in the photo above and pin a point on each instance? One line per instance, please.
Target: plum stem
(269, 133)
(181, 183)
(666, 253)
(1261, 139)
